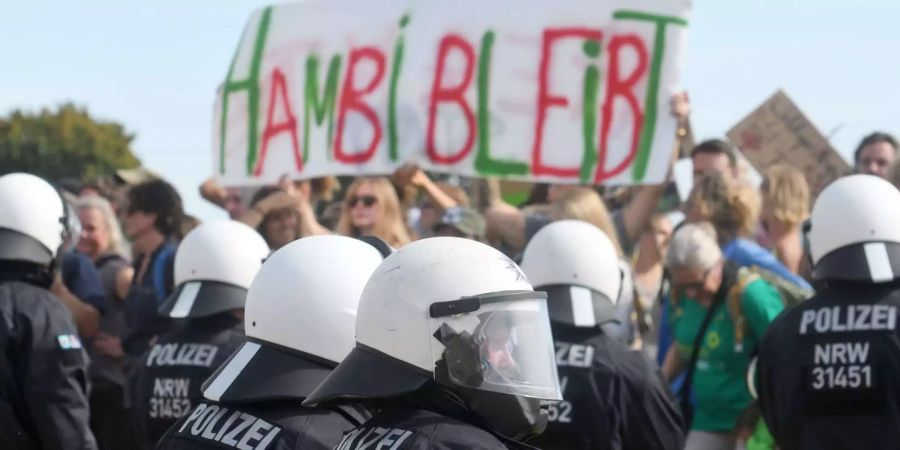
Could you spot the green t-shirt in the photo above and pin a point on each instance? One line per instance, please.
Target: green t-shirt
(720, 379)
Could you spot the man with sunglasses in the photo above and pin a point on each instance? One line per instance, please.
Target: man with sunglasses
(152, 224)
(706, 289)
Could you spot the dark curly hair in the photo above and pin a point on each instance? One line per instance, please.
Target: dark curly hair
(160, 198)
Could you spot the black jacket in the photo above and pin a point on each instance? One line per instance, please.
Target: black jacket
(167, 382)
(43, 372)
(275, 425)
(828, 373)
(614, 398)
(418, 429)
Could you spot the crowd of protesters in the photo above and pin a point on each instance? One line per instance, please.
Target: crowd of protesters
(675, 263)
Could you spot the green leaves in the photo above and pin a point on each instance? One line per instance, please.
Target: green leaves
(65, 143)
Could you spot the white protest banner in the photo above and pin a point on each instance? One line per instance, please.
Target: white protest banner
(570, 91)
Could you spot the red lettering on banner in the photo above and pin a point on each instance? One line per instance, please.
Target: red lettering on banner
(278, 92)
(547, 100)
(351, 100)
(616, 86)
(455, 94)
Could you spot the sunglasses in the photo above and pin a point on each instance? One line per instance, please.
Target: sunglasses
(367, 201)
(695, 285)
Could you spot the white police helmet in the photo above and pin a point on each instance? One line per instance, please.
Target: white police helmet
(214, 265)
(854, 231)
(300, 318)
(577, 265)
(33, 220)
(462, 315)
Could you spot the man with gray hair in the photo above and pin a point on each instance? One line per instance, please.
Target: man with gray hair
(694, 246)
(717, 317)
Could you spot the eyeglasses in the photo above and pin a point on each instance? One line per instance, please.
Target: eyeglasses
(692, 286)
(367, 201)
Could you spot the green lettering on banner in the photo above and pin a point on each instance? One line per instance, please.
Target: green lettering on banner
(251, 84)
(392, 91)
(484, 164)
(320, 109)
(589, 109)
(642, 159)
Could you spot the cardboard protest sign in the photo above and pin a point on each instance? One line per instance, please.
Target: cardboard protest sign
(777, 132)
(572, 91)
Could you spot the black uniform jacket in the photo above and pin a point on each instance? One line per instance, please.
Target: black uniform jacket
(614, 397)
(167, 382)
(43, 372)
(268, 425)
(828, 370)
(418, 429)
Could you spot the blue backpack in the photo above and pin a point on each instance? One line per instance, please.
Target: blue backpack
(162, 272)
(746, 253)
(758, 263)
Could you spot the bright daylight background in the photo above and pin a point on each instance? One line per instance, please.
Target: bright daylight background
(154, 67)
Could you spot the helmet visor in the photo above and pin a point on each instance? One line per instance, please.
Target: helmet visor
(503, 346)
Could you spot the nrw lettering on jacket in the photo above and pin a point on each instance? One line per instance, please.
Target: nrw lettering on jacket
(374, 439)
(238, 429)
(179, 354)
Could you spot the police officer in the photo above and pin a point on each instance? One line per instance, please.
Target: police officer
(829, 369)
(300, 318)
(43, 392)
(214, 266)
(614, 397)
(453, 350)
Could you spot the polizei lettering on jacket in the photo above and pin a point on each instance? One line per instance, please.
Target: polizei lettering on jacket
(837, 319)
(229, 427)
(181, 354)
(374, 439)
(574, 355)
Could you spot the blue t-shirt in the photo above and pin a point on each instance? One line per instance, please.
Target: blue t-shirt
(81, 278)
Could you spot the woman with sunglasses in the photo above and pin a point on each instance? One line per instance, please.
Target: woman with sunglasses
(715, 398)
(371, 208)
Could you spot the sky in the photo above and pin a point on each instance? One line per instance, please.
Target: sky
(154, 67)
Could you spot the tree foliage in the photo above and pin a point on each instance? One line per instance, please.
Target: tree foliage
(65, 143)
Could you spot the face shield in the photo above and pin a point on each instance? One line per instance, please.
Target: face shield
(499, 342)
(73, 228)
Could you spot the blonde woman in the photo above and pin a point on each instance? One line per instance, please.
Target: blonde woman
(371, 208)
(732, 207)
(102, 241)
(583, 203)
(785, 198)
